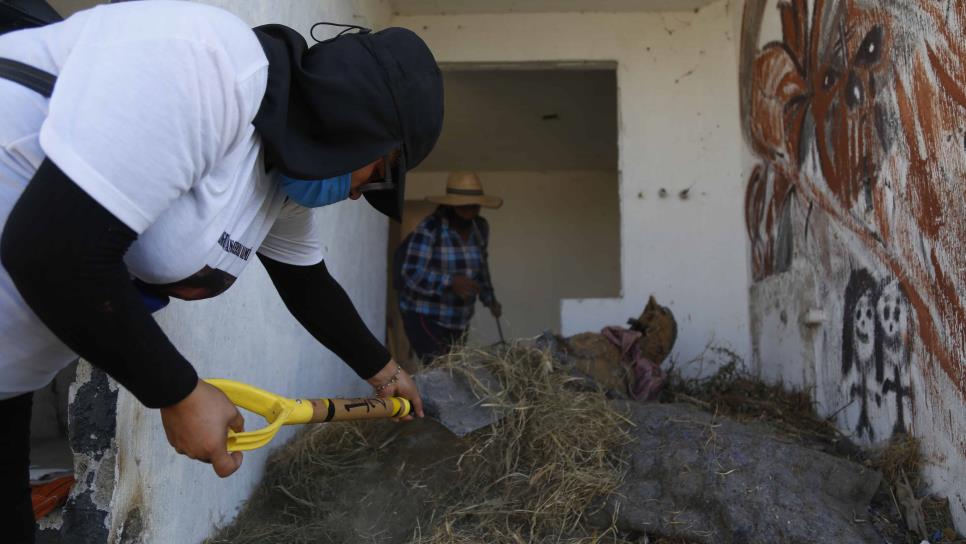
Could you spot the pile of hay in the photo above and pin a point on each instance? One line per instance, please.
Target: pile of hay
(535, 475)
(731, 392)
(530, 478)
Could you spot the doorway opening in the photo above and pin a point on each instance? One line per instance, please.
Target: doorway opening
(543, 136)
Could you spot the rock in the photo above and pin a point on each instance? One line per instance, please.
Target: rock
(714, 480)
(449, 398)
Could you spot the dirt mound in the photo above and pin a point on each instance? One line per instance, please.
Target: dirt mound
(529, 478)
(726, 459)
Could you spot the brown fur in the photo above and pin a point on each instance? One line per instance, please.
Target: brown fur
(598, 358)
(659, 329)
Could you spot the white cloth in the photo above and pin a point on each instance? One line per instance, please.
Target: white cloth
(151, 116)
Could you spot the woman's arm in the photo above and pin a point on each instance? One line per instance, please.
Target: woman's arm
(65, 254)
(320, 304)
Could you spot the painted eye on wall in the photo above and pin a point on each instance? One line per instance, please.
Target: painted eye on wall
(854, 94)
(831, 77)
(871, 49)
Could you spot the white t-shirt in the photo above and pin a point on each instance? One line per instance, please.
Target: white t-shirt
(152, 117)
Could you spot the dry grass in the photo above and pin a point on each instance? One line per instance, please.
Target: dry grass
(532, 477)
(287, 506)
(924, 517)
(730, 392)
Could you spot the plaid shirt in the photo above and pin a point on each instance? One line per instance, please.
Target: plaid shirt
(435, 254)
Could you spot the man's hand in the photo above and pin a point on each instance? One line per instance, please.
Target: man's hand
(404, 386)
(496, 309)
(465, 287)
(198, 428)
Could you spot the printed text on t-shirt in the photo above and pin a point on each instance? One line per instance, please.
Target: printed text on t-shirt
(233, 247)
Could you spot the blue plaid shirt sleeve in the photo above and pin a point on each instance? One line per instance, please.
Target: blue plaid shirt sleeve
(487, 296)
(417, 273)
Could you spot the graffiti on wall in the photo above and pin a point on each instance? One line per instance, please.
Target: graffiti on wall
(876, 356)
(858, 112)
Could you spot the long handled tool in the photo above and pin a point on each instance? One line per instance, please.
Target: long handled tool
(499, 329)
(278, 410)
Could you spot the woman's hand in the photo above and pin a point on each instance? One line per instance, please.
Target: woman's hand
(198, 428)
(400, 384)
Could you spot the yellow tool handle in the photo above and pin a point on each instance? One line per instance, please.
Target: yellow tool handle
(278, 410)
(324, 410)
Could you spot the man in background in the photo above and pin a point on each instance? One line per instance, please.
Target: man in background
(444, 268)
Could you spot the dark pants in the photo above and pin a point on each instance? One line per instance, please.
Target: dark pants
(427, 338)
(16, 511)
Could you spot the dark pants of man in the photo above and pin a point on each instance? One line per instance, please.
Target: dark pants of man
(427, 338)
(16, 511)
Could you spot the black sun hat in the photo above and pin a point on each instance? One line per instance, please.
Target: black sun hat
(341, 104)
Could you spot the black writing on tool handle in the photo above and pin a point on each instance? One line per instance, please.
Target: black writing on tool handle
(369, 404)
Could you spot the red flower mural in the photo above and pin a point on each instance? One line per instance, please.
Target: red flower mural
(860, 112)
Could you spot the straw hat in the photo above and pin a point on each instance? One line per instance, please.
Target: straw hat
(465, 189)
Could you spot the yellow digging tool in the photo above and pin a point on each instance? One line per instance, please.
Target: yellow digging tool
(279, 410)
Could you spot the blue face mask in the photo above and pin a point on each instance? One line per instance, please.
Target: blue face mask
(317, 193)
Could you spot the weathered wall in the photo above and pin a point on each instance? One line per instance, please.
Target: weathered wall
(855, 114)
(677, 96)
(248, 335)
(66, 8)
(556, 237)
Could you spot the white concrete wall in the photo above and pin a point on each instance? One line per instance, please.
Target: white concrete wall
(556, 237)
(248, 335)
(678, 129)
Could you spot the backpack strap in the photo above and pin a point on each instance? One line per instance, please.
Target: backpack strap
(20, 14)
(34, 79)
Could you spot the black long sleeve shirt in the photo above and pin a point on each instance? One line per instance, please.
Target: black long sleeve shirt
(65, 254)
